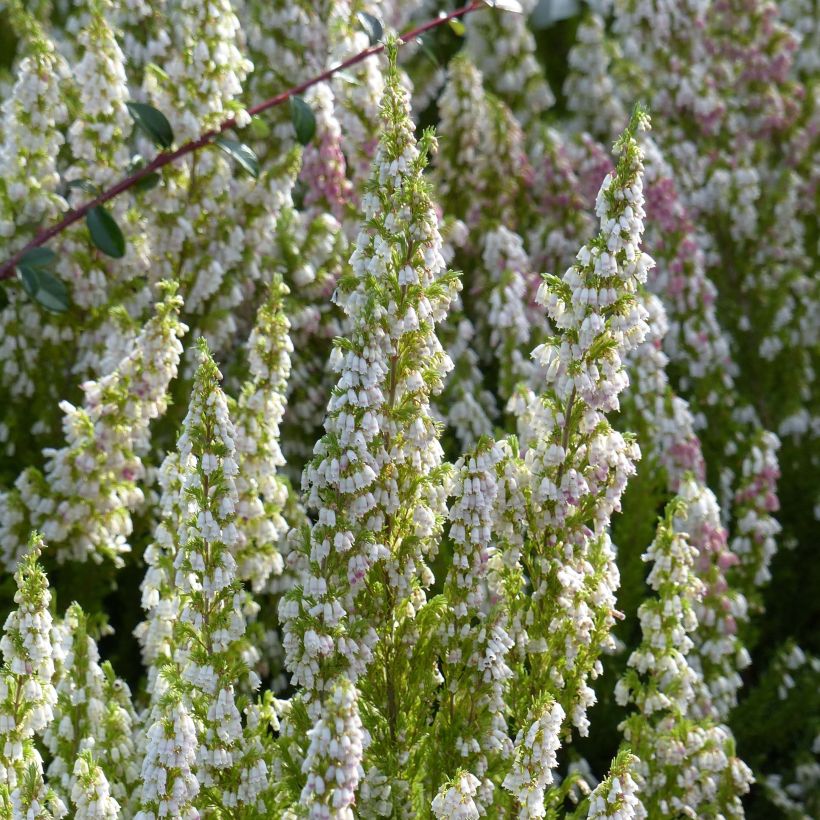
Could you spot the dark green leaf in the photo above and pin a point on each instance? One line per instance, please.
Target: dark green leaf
(152, 122)
(371, 26)
(84, 185)
(148, 182)
(44, 288)
(38, 258)
(241, 153)
(105, 233)
(304, 121)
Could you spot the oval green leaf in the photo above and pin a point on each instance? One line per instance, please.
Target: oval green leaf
(148, 182)
(241, 153)
(84, 185)
(458, 27)
(371, 26)
(38, 258)
(105, 233)
(44, 288)
(304, 121)
(154, 123)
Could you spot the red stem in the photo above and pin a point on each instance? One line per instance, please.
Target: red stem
(167, 157)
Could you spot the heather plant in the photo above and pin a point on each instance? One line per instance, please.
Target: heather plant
(351, 355)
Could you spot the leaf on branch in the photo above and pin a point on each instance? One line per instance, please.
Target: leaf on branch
(39, 283)
(39, 258)
(84, 185)
(241, 153)
(371, 26)
(105, 233)
(153, 122)
(458, 27)
(304, 121)
(148, 182)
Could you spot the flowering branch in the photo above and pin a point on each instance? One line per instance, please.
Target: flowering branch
(167, 157)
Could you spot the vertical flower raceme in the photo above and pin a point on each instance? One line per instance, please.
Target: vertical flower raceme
(718, 653)
(98, 142)
(205, 70)
(753, 541)
(323, 164)
(333, 758)
(482, 168)
(261, 494)
(665, 418)
(90, 792)
(32, 135)
(456, 798)
(103, 88)
(512, 321)
(169, 785)
(577, 464)
(589, 88)
(84, 714)
(503, 47)
(84, 497)
(560, 221)
(27, 695)
(687, 765)
(536, 747)
(223, 763)
(376, 480)
(310, 257)
(617, 796)
(466, 405)
(464, 113)
(160, 598)
(471, 719)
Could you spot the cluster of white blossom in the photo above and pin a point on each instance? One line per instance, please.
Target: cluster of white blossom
(576, 462)
(503, 48)
(687, 764)
(83, 499)
(27, 696)
(84, 754)
(616, 797)
(535, 759)
(439, 602)
(455, 800)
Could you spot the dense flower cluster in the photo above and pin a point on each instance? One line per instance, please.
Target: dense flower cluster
(334, 531)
